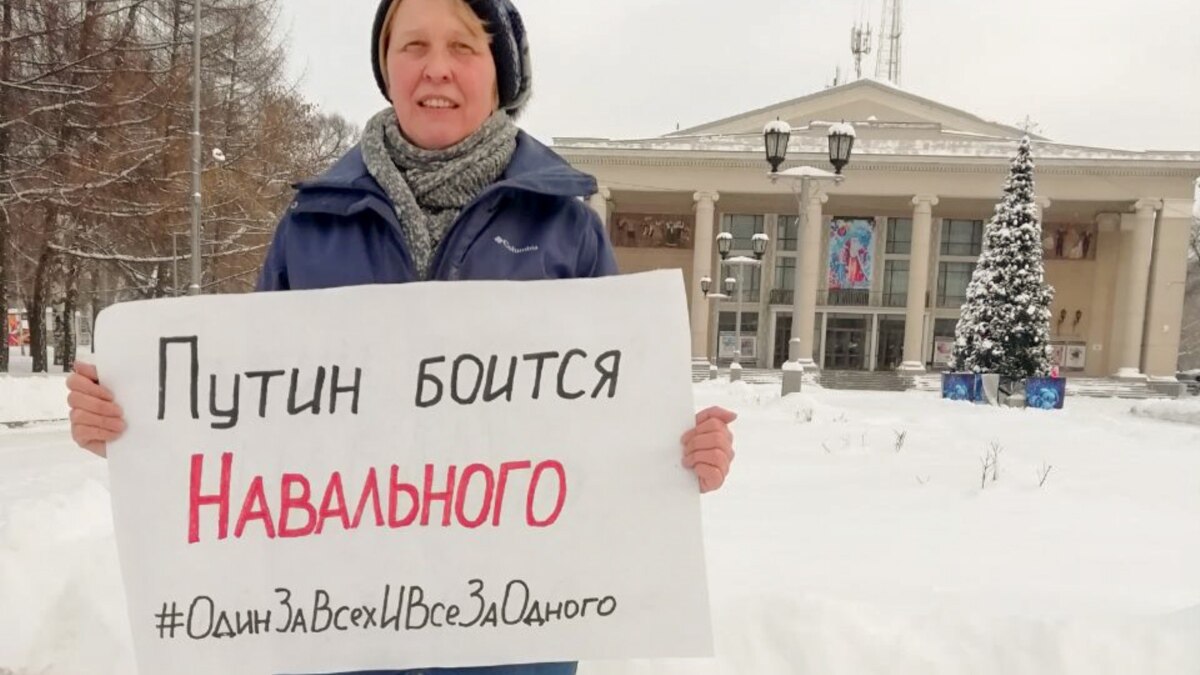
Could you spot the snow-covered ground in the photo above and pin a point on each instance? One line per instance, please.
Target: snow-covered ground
(25, 397)
(1185, 410)
(33, 398)
(829, 552)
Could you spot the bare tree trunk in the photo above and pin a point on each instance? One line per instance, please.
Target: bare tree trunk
(70, 305)
(38, 328)
(4, 252)
(6, 25)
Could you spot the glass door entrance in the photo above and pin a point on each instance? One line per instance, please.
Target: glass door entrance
(890, 353)
(783, 335)
(846, 343)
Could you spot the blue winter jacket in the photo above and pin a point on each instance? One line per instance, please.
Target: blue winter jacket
(342, 230)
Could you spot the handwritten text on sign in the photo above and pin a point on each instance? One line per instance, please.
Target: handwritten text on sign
(349, 479)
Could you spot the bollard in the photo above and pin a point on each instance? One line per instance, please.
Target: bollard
(793, 378)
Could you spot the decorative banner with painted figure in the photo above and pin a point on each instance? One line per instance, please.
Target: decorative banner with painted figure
(851, 254)
(370, 492)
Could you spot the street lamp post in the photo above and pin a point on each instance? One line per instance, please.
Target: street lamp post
(776, 136)
(724, 247)
(194, 287)
(714, 311)
(175, 262)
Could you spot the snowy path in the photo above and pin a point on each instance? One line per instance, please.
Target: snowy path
(829, 552)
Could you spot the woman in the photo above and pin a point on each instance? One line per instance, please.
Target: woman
(443, 186)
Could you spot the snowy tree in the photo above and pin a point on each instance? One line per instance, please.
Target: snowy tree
(1005, 324)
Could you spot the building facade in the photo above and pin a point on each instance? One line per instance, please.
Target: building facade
(886, 256)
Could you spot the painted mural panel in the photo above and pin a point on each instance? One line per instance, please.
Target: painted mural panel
(851, 254)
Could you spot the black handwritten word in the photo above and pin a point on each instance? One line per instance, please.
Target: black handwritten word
(531, 612)
(470, 380)
(407, 504)
(205, 621)
(403, 608)
(228, 414)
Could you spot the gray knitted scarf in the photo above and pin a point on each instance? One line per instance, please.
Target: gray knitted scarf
(430, 188)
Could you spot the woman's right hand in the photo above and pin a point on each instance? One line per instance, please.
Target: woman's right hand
(96, 419)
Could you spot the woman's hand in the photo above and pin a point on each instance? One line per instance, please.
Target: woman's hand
(708, 447)
(96, 420)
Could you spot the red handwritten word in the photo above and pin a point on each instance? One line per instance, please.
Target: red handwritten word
(296, 514)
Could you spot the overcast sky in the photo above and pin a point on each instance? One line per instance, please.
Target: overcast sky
(1111, 73)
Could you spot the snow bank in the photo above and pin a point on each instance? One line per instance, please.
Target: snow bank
(29, 397)
(60, 583)
(1185, 411)
(32, 398)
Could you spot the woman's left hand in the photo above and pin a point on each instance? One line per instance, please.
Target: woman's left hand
(708, 447)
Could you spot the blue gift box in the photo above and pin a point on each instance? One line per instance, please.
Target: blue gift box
(962, 387)
(1046, 393)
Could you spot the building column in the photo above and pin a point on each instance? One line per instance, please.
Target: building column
(808, 278)
(918, 283)
(1168, 284)
(702, 257)
(599, 203)
(1040, 204)
(1133, 323)
(1107, 298)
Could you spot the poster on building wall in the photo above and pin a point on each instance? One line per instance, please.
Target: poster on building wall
(943, 351)
(1076, 358)
(1069, 242)
(851, 254)
(640, 230)
(729, 344)
(1058, 355)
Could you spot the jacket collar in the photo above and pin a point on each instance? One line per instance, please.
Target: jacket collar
(533, 168)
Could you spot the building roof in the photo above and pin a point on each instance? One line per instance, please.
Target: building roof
(891, 123)
(892, 104)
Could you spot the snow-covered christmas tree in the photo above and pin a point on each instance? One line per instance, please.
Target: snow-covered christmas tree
(1005, 324)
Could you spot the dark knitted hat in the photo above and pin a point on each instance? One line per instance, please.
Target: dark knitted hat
(510, 50)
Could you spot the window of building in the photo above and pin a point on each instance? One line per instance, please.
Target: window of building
(750, 283)
(962, 237)
(953, 279)
(752, 277)
(789, 233)
(945, 328)
(895, 283)
(743, 228)
(785, 273)
(899, 236)
(727, 323)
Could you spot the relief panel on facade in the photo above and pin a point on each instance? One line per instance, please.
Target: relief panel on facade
(1069, 242)
(638, 230)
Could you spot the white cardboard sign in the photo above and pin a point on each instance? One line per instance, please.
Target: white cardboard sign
(422, 475)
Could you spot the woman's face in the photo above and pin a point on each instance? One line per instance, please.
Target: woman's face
(441, 75)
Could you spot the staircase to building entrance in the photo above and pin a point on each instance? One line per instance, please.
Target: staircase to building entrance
(861, 380)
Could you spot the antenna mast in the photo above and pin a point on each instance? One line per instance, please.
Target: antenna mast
(860, 46)
(887, 65)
